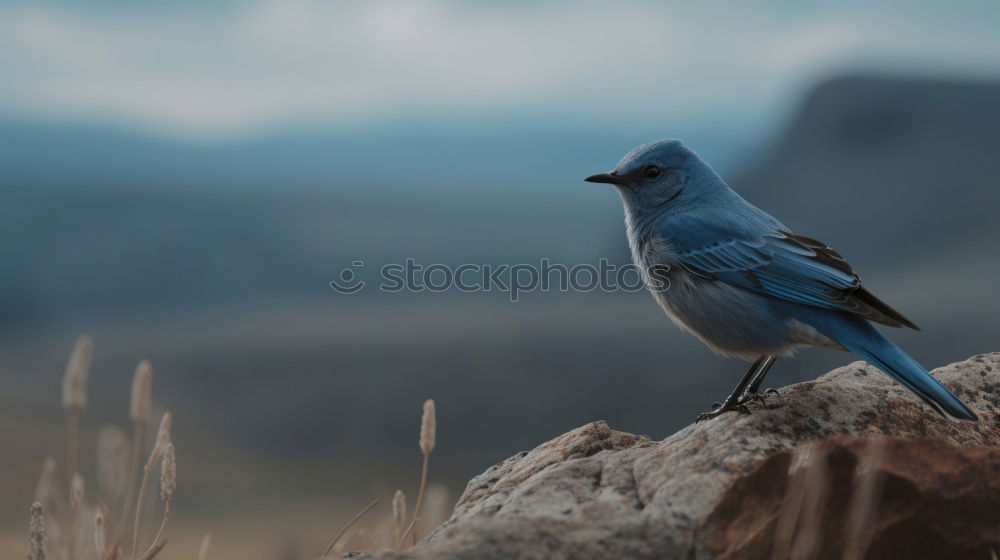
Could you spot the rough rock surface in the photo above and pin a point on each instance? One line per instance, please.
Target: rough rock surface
(886, 498)
(745, 486)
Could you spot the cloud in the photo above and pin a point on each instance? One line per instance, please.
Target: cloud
(235, 68)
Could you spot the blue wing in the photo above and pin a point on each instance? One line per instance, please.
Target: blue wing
(778, 264)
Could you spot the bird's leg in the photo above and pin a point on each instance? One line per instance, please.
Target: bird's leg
(733, 401)
(751, 392)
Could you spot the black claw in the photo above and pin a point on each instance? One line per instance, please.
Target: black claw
(748, 398)
(704, 416)
(773, 392)
(717, 409)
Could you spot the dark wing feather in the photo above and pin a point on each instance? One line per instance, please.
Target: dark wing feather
(867, 304)
(794, 268)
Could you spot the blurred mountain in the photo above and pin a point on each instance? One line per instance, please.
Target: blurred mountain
(104, 221)
(72, 253)
(888, 168)
(397, 158)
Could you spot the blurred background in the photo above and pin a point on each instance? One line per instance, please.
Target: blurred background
(182, 180)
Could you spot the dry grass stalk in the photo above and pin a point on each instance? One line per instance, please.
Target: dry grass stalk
(162, 438)
(428, 428)
(348, 526)
(861, 510)
(206, 541)
(74, 388)
(100, 532)
(398, 515)
(168, 483)
(47, 493)
(162, 441)
(142, 392)
(76, 491)
(168, 474)
(797, 533)
(74, 396)
(428, 436)
(139, 407)
(112, 475)
(75, 505)
(153, 551)
(36, 533)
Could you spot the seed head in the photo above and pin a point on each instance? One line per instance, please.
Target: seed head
(76, 491)
(399, 508)
(428, 428)
(74, 389)
(168, 473)
(142, 388)
(99, 532)
(36, 533)
(162, 439)
(163, 434)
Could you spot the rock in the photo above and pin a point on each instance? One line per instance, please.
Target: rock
(744, 486)
(886, 498)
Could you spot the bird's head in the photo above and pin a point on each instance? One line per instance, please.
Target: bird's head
(655, 174)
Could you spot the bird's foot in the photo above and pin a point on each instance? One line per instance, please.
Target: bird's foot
(748, 398)
(719, 408)
(755, 397)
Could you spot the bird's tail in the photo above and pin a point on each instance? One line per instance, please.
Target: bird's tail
(860, 337)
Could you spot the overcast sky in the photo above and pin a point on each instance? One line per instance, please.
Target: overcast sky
(227, 69)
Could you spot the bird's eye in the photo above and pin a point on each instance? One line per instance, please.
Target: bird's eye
(651, 171)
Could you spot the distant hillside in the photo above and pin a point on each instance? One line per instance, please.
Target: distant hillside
(104, 221)
(125, 253)
(888, 168)
(890, 172)
(516, 155)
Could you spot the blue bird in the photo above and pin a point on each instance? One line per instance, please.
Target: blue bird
(743, 283)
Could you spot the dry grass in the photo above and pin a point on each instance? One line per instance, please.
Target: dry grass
(428, 436)
(67, 523)
(88, 516)
(398, 515)
(139, 407)
(74, 397)
(162, 443)
(36, 533)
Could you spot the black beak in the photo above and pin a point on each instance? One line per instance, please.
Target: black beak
(609, 178)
